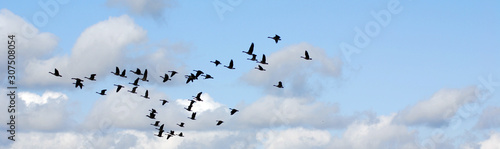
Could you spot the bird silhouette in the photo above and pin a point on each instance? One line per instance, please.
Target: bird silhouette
(180, 135)
(117, 71)
(163, 101)
(260, 68)
(263, 61)
(190, 78)
(160, 133)
(153, 110)
(172, 73)
(216, 62)
(134, 90)
(103, 92)
(198, 97)
(168, 136)
(146, 95)
(193, 116)
(254, 58)
(189, 108)
(145, 76)
(123, 73)
(280, 85)
(190, 105)
(137, 71)
(181, 124)
(56, 73)
(276, 38)
(118, 87)
(306, 57)
(219, 122)
(165, 78)
(161, 127)
(207, 76)
(230, 65)
(198, 73)
(151, 116)
(92, 77)
(250, 50)
(233, 111)
(78, 82)
(157, 123)
(136, 82)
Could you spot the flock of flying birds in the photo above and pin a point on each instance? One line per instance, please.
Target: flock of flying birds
(167, 77)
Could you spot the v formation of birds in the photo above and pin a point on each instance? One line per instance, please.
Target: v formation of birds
(167, 77)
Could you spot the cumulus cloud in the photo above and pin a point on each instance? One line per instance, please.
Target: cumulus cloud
(30, 42)
(46, 112)
(153, 8)
(116, 110)
(272, 111)
(491, 143)
(296, 73)
(381, 134)
(489, 118)
(32, 98)
(98, 49)
(294, 138)
(438, 109)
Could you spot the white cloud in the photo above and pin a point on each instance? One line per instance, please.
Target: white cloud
(491, 143)
(272, 111)
(153, 8)
(46, 112)
(439, 109)
(208, 104)
(379, 135)
(98, 49)
(296, 73)
(31, 98)
(489, 118)
(30, 42)
(294, 138)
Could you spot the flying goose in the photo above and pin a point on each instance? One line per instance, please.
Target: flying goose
(280, 85)
(276, 38)
(92, 77)
(250, 50)
(306, 57)
(230, 65)
(56, 73)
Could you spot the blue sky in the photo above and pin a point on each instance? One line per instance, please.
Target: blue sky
(429, 59)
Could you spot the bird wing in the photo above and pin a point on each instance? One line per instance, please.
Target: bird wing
(136, 81)
(307, 54)
(117, 70)
(250, 50)
(263, 58)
